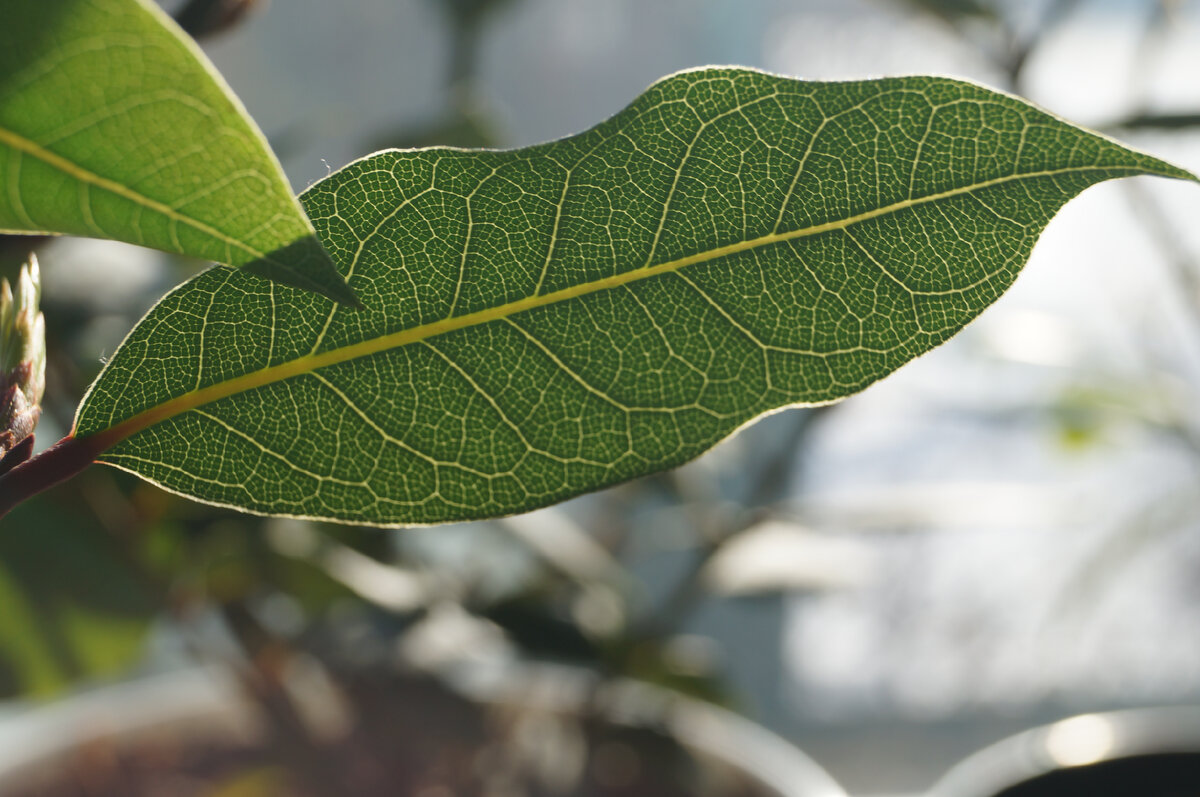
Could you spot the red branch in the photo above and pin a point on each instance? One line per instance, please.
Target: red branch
(56, 464)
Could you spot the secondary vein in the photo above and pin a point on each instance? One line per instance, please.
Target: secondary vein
(56, 161)
(317, 360)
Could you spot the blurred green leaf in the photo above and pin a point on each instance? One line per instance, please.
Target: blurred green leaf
(74, 606)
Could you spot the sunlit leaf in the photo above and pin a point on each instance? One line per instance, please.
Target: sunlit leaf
(552, 320)
(114, 125)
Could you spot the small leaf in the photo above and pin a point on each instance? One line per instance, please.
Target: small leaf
(560, 318)
(114, 125)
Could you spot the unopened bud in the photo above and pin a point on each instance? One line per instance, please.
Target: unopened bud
(22, 357)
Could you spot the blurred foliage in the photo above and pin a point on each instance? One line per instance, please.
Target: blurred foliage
(73, 607)
(467, 121)
(464, 124)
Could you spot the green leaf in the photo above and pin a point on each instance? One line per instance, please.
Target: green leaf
(556, 319)
(114, 125)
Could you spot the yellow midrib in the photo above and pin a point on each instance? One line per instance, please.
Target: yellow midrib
(22, 144)
(366, 348)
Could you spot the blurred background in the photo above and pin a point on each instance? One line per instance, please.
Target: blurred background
(1002, 534)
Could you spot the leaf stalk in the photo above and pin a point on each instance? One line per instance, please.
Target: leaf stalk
(56, 464)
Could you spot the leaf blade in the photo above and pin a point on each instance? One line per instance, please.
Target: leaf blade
(113, 125)
(596, 308)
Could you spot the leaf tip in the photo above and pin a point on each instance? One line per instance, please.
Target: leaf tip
(305, 264)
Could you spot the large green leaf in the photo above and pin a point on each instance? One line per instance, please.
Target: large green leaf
(555, 319)
(114, 125)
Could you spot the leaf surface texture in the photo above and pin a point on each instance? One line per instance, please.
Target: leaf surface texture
(548, 321)
(114, 125)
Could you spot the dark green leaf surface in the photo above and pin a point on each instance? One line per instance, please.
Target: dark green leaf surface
(113, 125)
(548, 321)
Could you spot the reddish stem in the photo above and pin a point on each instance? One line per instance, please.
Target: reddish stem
(56, 464)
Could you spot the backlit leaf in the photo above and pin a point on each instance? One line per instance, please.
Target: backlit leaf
(114, 125)
(551, 320)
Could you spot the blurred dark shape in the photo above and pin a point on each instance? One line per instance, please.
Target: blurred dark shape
(465, 124)
(467, 18)
(1156, 121)
(1158, 775)
(1137, 753)
(989, 25)
(201, 18)
(14, 249)
(471, 11)
(531, 621)
(956, 10)
(17, 454)
(468, 122)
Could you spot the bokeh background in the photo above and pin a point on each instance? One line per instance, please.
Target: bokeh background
(1005, 532)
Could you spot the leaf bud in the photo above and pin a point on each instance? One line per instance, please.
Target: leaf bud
(22, 357)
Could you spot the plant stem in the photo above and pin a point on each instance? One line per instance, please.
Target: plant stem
(56, 464)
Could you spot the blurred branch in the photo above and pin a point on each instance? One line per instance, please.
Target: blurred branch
(1157, 27)
(466, 18)
(264, 681)
(774, 476)
(1181, 263)
(1155, 121)
(1022, 50)
(566, 547)
(777, 472)
(1156, 30)
(955, 12)
(1149, 525)
(1013, 51)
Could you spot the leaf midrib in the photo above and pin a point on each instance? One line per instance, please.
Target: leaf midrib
(72, 169)
(309, 363)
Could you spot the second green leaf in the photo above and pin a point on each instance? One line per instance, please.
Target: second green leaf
(547, 321)
(114, 125)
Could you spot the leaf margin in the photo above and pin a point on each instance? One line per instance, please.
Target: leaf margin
(105, 438)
